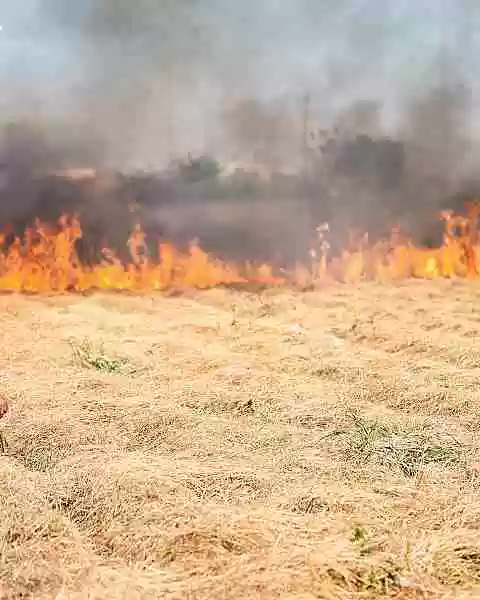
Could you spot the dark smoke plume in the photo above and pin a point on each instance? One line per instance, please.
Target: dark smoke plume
(153, 81)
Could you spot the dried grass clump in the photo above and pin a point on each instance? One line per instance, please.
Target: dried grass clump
(295, 446)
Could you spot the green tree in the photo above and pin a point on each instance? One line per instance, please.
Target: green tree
(202, 168)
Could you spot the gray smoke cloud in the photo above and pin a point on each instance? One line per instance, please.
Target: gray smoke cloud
(391, 124)
(156, 78)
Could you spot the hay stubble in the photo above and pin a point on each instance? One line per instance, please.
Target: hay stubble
(231, 445)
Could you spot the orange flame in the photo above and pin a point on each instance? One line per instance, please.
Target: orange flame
(399, 258)
(45, 260)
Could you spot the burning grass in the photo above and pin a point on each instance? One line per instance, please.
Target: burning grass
(232, 445)
(46, 260)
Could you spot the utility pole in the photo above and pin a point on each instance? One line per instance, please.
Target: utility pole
(304, 145)
(170, 116)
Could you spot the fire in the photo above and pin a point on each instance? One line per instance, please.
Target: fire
(399, 258)
(45, 260)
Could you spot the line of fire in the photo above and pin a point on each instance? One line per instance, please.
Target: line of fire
(45, 259)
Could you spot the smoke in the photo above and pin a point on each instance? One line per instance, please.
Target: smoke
(156, 78)
(263, 133)
(140, 74)
(389, 132)
(374, 176)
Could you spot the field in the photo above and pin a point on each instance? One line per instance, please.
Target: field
(230, 445)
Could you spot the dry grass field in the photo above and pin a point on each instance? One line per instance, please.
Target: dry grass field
(225, 445)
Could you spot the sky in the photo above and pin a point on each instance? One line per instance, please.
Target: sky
(340, 51)
(285, 34)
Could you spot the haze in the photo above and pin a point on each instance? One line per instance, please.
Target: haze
(155, 79)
